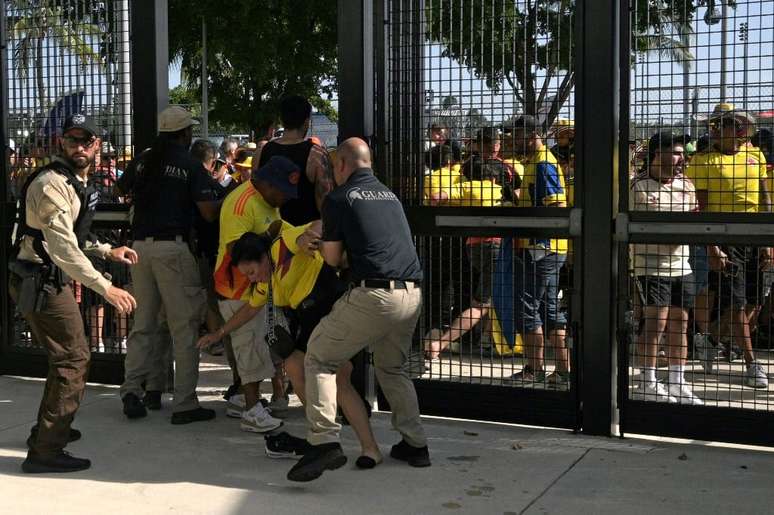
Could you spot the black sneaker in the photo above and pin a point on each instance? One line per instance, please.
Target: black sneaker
(192, 415)
(133, 406)
(414, 456)
(62, 462)
(316, 460)
(284, 445)
(232, 390)
(74, 435)
(152, 400)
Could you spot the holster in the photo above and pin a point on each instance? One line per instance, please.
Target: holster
(29, 285)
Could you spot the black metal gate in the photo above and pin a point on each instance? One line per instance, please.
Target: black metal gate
(107, 59)
(699, 68)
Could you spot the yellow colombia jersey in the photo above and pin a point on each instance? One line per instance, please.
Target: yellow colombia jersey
(294, 273)
(542, 185)
(243, 210)
(732, 182)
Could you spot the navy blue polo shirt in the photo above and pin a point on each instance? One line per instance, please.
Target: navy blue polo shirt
(165, 200)
(369, 219)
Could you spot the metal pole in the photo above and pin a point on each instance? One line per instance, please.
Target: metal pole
(723, 49)
(744, 36)
(124, 76)
(205, 84)
(7, 208)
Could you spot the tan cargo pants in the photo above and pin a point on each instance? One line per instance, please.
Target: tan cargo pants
(166, 275)
(385, 320)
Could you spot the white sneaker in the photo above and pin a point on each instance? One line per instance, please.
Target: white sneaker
(684, 395)
(653, 392)
(755, 376)
(258, 420)
(235, 405)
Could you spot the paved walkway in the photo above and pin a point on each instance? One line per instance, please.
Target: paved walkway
(150, 466)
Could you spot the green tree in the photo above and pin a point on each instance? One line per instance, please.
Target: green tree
(529, 45)
(30, 22)
(257, 51)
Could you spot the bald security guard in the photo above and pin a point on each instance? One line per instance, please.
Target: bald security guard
(363, 218)
(52, 239)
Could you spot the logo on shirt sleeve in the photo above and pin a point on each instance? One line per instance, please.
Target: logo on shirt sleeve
(353, 195)
(356, 194)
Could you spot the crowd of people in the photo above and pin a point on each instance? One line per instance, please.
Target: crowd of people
(715, 295)
(293, 261)
(290, 259)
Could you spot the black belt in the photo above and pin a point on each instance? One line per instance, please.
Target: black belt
(387, 284)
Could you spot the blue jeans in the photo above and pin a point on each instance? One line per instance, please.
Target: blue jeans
(536, 291)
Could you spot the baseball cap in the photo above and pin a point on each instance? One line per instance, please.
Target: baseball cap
(666, 139)
(175, 118)
(79, 121)
(525, 122)
(282, 173)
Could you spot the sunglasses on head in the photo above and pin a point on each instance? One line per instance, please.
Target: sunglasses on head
(86, 141)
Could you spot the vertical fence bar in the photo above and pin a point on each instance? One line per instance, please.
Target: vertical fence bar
(150, 68)
(6, 207)
(597, 155)
(356, 114)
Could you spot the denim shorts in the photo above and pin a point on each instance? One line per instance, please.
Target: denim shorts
(536, 291)
(699, 266)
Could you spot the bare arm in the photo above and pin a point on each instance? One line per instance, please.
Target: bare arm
(319, 171)
(765, 198)
(332, 252)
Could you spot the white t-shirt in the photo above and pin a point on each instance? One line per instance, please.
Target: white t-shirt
(648, 194)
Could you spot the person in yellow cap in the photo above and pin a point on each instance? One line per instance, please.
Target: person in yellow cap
(728, 179)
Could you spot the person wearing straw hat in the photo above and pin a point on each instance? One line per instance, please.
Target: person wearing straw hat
(167, 185)
(729, 180)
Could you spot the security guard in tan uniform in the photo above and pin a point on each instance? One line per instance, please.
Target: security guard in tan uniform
(167, 185)
(52, 238)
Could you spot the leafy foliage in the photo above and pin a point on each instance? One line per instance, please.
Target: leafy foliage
(519, 43)
(257, 51)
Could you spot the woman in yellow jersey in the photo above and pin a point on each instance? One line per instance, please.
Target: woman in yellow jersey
(308, 288)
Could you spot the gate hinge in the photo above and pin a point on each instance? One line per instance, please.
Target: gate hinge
(622, 227)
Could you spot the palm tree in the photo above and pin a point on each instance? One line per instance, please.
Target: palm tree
(30, 23)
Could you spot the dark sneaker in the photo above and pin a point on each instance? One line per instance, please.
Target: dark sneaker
(62, 462)
(232, 390)
(316, 460)
(152, 400)
(414, 456)
(192, 415)
(285, 445)
(74, 435)
(133, 406)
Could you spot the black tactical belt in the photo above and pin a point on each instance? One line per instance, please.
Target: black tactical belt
(387, 284)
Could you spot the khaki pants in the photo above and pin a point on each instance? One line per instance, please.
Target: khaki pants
(251, 352)
(59, 327)
(166, 276)
(384, 319)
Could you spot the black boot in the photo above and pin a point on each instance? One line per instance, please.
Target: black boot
(61, 462)
(152, 400)
(74, 435)
(133, 406)
(317, 459)
(192, 415)
(414, 456)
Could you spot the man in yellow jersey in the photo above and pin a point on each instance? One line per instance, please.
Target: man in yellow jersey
(537, 261)
(728, 179)
(251, 207)
(308, 287)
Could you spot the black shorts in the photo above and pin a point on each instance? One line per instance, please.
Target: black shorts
(663, 291)
(327, 290)
(482, 257)
(742, 282)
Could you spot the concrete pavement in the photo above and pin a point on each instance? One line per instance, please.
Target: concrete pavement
(150, 466)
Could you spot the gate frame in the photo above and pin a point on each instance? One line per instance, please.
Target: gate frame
(150, 62)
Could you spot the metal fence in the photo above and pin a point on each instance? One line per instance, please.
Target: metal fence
(63, 57)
